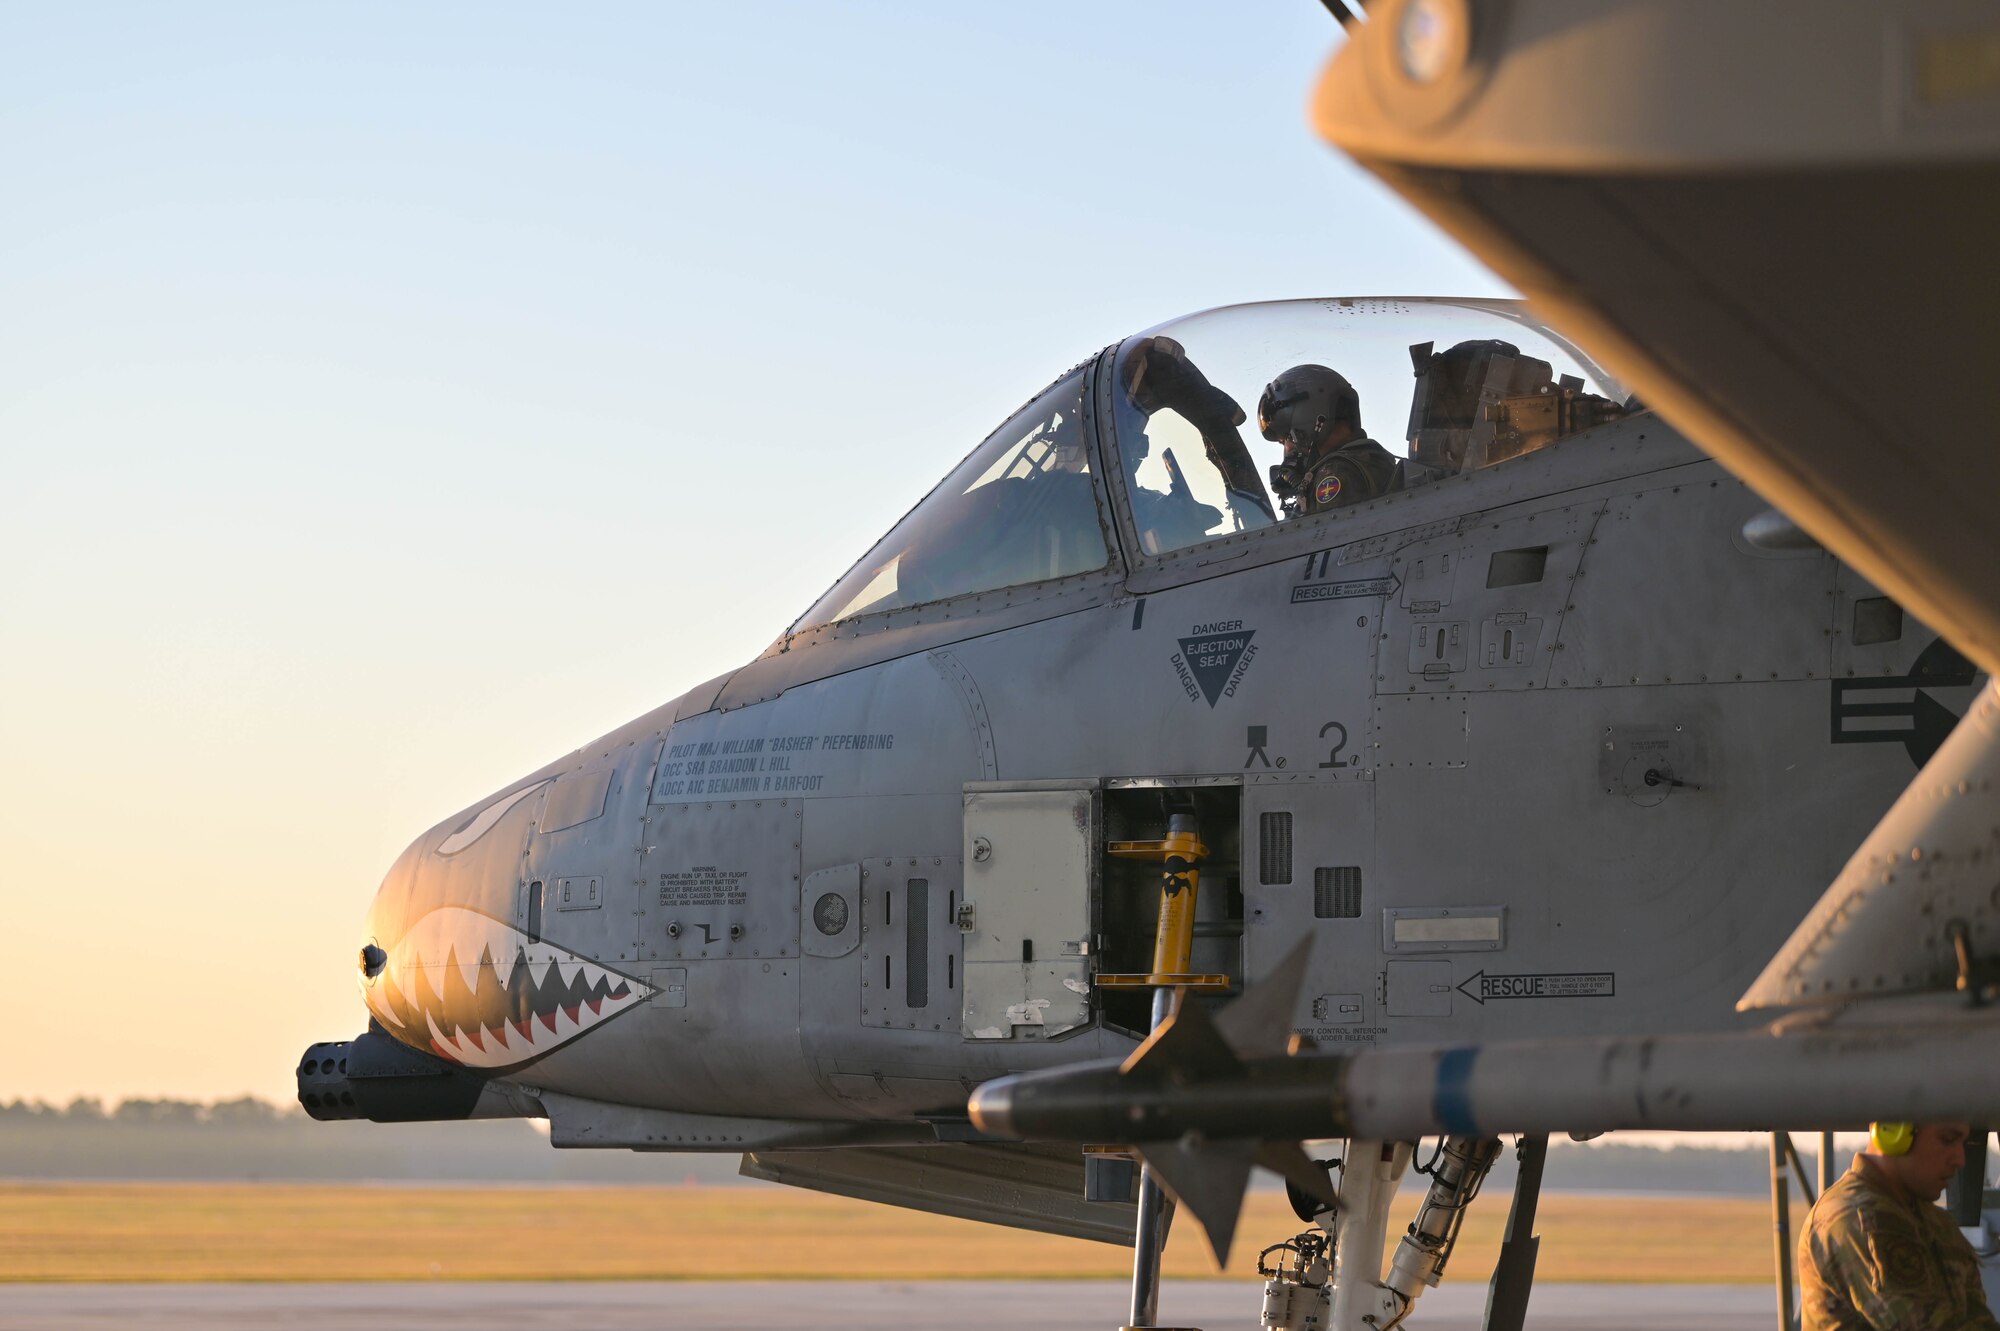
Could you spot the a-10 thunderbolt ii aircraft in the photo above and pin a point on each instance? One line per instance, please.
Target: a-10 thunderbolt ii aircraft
(1560, 737)
(1499, 790)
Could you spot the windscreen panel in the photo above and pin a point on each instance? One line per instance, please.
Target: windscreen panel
(1019, 509)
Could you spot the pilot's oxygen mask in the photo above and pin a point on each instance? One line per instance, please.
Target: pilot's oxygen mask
(1481, 402)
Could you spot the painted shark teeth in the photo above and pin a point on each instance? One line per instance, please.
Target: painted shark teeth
(487, 995)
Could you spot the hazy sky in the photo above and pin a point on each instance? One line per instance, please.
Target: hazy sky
(394, 397)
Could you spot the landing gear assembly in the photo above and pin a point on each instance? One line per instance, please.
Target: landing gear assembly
(1298, 1282)
(1328, 1278)
(1352, 1234)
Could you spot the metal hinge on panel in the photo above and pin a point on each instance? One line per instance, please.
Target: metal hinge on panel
(965, 925)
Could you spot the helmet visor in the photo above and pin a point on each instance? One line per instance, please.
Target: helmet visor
(1274, 412)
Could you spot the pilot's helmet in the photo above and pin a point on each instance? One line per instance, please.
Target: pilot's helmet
(1302, 405)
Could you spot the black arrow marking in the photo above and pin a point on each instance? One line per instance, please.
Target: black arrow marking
(1479, 986)
(1307, 592)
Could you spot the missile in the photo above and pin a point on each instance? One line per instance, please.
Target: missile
(1206, 1097)
(1202, 1100)
(1921, 1059)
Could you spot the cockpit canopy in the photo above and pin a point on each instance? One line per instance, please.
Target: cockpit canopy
(1446, 386)
(1019, 509)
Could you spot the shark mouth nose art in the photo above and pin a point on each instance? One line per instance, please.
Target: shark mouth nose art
(479, 992)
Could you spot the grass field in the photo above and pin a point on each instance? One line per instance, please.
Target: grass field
(176, 1232)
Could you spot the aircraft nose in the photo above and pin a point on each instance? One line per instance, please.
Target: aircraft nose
(469, 862)
(453, 960)
(473, 989)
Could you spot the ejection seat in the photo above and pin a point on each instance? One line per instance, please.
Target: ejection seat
(1482, 402)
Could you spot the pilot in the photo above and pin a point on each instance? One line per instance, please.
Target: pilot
(1329, 462)
(1877, 1253)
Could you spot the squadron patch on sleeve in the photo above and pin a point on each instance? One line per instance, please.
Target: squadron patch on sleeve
(1327, 490)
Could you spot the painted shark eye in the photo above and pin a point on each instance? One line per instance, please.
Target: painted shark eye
(830, 913)
(485, 820)
(373, 959)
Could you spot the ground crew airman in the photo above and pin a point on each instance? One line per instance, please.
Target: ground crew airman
(1329, 461)
(1877, 1255)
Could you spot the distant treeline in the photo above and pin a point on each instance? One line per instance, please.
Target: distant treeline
(89, 1109)
(249, 1138)
(254, 1139)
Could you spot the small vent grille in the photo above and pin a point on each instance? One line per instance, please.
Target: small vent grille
(1337, 892)
(1274, 849)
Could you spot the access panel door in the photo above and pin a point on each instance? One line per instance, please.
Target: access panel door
(1030, 884)
(720, 880)
(910, 943)
(1309, 873)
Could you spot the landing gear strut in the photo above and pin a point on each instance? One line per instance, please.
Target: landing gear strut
(1367, 1186)
(1348, 1245)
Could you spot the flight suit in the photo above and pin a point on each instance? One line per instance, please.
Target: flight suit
(1358, 470)
(1869, 1261)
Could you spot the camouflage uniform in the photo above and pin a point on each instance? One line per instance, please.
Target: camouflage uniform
(1869, 1261)
(1359, 469)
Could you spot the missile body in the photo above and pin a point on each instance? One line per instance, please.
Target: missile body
(1282, 1098)
(1207, 1096)
(1934, 1061)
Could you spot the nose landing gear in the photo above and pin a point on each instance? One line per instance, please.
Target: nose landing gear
(1326, 1279)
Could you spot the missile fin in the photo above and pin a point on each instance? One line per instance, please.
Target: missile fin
(1208, 1178)
(1185, 1046)
(1260, 1022)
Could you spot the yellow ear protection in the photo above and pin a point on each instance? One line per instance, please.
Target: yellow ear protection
(1892, 1138)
